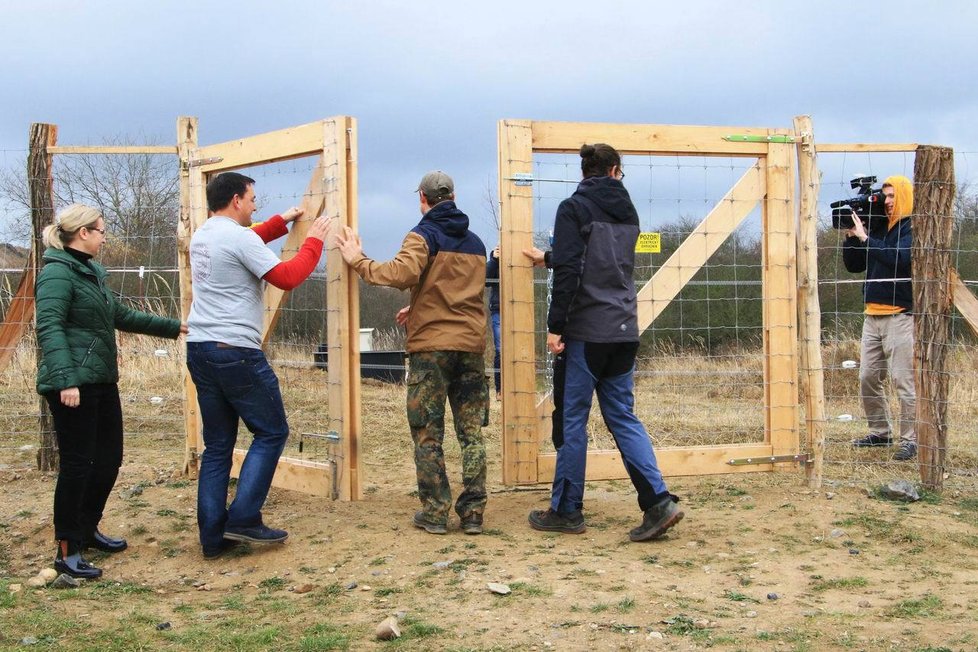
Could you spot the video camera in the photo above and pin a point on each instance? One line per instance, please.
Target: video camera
(868, 205)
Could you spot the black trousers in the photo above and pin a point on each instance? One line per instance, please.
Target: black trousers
(90, 445)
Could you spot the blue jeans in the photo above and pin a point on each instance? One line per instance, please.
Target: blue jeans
(233, 383)
(497, 339)
(608, 368)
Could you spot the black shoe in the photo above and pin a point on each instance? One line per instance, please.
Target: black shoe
(70, 562)
(472, 524)
(256, 534)
(548, 520)
(906, 451)
(421, 521)
(872, 440)
(223, 547)
(657, 519)
(105, 543)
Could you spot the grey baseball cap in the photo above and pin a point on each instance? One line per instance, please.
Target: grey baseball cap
(437, 185)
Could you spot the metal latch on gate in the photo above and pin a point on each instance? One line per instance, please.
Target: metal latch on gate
(197, 162)
(746, 138)
(802, 458)
(523, 178)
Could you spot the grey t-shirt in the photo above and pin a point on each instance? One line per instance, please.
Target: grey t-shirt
(227, 262)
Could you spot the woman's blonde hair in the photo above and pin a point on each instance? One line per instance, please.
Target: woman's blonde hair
(67, 223)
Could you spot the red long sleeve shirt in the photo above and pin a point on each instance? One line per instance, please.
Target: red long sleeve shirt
(289, 274)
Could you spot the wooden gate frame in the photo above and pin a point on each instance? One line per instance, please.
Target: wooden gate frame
(332, 189)
(526, 421)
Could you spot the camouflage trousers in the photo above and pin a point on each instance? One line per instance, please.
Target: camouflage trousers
(459, 377)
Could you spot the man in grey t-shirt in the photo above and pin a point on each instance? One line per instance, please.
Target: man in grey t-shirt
(229, 265)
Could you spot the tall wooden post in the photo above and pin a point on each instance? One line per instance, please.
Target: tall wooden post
(40, 181)
(932, 226)
(186, 145)
(809, 310)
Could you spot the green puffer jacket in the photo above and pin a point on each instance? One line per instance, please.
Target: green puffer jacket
(76, 323)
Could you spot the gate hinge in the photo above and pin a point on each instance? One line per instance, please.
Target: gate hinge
(802, 458)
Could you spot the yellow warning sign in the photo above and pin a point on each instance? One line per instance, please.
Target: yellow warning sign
(649, 243)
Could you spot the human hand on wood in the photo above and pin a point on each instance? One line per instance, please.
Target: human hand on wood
(293, 214)
(348, 243)
(319, 228)
(536, 255)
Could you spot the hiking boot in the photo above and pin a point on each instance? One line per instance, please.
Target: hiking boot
(421, 521)
(872, 440)
(657, 519)
(548, 520)
(260, 533)
(224, 546)
(906, 451)
(472, 524)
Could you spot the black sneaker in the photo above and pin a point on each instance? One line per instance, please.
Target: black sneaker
(421, 521)
(548, 520)
(256, 534)
(472, 524)
(657, 519)
(872, 440)
(906, 451)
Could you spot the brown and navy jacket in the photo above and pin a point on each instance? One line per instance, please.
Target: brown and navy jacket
(444, 266)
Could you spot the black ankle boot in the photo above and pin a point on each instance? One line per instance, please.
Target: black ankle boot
(106, 543)
(70, 562)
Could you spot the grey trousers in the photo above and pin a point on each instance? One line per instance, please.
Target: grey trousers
(887, 348)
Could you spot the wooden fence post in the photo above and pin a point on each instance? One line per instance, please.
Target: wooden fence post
(809, 309)
(40, 182)
(933, 222)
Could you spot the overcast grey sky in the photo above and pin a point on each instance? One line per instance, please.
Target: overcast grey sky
(428, 81)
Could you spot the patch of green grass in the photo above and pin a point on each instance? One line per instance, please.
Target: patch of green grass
(445, 550)
(968, 504)
(323, 637)
(233, 603)
(7, 599)
(378, 561)
(412, 627)
(927, 606)
(24, 513)
(651, 559)
(524, 588)
(735, 491)
(600, 607)
(736, 596)
(166, 512)
(625, 605)
(178, 484)
(138, 530)
(272, 583)
(681, 625)
(387, 590)
(820, 584)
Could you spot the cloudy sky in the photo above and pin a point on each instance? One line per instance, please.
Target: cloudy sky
(428, 81)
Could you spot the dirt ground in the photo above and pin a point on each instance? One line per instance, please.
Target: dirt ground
(760, 562)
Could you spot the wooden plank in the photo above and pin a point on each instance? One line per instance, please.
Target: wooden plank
(19, 315)
(964, 300)
(649, 139)
(520, 424)
(342, 304)
(313, 202)
(282, 145)
(809, 309)
(697, 248)
(187, 139)
(827, 148)
(779, 301)
(315, 478)
(116, 149)
(673, 461)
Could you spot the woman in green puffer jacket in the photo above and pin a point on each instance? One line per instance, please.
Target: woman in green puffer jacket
(78, 374)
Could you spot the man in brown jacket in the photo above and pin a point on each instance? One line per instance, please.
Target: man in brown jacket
(444, 265)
